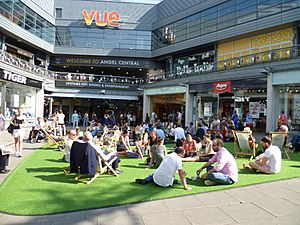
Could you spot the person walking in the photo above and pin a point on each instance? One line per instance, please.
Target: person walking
(18, 122)
(61, 123)
(85, 119)
(75, 119)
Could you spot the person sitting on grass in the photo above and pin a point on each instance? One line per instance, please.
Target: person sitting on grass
(209, 152)
(164, 175)
(225, 171)
(189, 146)
(158, 153)
(268, 162)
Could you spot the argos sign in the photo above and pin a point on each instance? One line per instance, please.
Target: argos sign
(221, 87)
(104, 19)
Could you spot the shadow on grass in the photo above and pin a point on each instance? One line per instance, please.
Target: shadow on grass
(56, 160)
(295, 166)
(134, 166)
(45, 169)
(58, 178)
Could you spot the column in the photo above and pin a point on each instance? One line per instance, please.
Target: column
(39, 106)
(189, 105)
(146, 106)
(271, 102)
(3, 97)
(50, 106)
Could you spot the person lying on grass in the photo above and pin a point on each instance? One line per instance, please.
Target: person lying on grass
(268, 162)
(225, 171)
(164, 174)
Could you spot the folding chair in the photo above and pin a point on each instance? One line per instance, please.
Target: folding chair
(51, 140)
(242, 146)
(280, 139)
(84, 159)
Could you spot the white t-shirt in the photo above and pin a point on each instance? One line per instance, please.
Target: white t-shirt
(61, 118)
(274, 155)
(164, 175)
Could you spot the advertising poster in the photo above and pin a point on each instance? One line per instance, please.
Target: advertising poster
(208, 109)
(254, 107)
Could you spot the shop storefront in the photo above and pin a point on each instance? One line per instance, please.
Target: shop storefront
(221, 99)
(20, 91)
(286, 98)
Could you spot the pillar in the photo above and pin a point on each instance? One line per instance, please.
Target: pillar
(271, 104)
(3, 97)
(39, 106)
(189, 106)
(146, 106)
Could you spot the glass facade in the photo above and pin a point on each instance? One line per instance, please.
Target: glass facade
(84, 37)
(26, 18)
(289, 103)
(219, 17)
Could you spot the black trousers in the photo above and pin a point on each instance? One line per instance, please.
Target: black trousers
(3, 161)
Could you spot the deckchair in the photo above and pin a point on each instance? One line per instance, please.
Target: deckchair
(280, 139)
(84, 159)
(50, 139)
(242, 146)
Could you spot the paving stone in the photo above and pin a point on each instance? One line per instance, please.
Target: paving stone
(292, 219)
(80, 222)
(294, 186)
(247, 195)
(208, 215)
(246, 212)
(11, 219)
(147, 207)
(275, 191)
(166, 218)
(217, 198)
(66, 217)
(260, 222)
(183, 203)
(121, 220)
(108, 212)
(278, 207)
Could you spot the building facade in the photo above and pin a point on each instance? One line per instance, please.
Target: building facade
(198, 57)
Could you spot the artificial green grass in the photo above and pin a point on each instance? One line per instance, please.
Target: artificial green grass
(39, 186)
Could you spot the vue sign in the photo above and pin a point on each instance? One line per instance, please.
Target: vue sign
(111, 19)
(221, 87)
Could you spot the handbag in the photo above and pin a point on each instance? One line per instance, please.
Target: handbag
(10, 129)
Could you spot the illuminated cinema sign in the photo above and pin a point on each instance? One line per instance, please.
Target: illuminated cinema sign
(111, 19)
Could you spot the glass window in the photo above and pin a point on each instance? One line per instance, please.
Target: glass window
(193, 25)
(246, 11)
(180, 30)
(289, 4)
(58, 13)
(6, 9)
(30, 20)
(268, 7)
(18, 13)
(227, 14)
(209, 20)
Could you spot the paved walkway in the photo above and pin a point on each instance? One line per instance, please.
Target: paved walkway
(269, 203)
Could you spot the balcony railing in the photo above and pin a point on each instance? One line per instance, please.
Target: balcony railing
(247, 60)
(53, 75)
(242, 61)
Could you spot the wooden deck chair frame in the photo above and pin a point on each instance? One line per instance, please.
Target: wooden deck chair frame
(242, 144)
(51, 140)
(280, 139)
(105, 165)
(113, 144)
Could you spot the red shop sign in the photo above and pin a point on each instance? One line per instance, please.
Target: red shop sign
(221, 87)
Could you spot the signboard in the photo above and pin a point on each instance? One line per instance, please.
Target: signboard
(221, 87)
(207, 109)
(94, 85)
(19, 79)
(105, 19)
(103, 62)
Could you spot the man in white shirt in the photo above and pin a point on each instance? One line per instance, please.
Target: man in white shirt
(179, 133)
(164, 175)
(268, 162)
